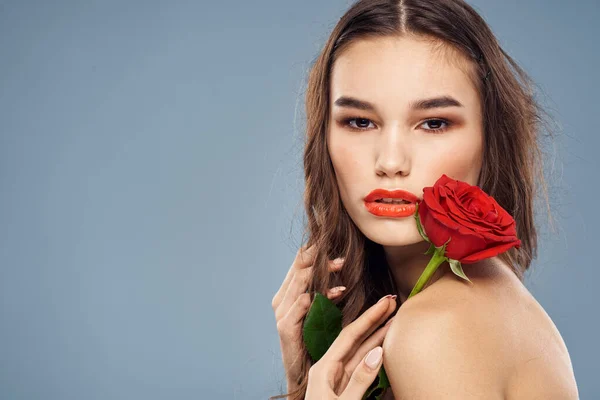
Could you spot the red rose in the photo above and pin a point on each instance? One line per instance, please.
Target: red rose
(478, 227)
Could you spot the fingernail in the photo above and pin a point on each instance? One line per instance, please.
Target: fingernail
(384, 297)
(338, 289)
(373, 358)
(338, 261)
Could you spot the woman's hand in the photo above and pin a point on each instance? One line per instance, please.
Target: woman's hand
(353, 360)
(290, 304)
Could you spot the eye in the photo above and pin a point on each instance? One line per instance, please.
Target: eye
(346, 123)
(437, 122)
(360, 122)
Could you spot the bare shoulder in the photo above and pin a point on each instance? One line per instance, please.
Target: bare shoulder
(518, 346)
(459, 334)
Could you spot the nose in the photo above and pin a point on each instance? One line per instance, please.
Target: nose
(393, 156)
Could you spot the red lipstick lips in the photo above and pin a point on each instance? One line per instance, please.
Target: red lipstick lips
(390, 209)
(379, 194)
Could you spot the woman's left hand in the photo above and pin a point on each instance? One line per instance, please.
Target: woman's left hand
(354, 359)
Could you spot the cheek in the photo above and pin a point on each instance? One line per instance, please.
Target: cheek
(462, 160)
(348, 163)
(343, 157)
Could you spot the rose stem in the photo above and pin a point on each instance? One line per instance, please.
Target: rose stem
(436, 260)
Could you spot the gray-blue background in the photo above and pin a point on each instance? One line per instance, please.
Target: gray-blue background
(151, 178)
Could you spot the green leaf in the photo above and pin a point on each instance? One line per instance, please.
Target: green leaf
(377, 388)
(457, 268)
(322, 325)
(419, 226)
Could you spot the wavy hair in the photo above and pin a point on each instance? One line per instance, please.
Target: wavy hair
(512, 170)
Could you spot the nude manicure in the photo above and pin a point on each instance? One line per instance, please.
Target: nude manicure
(385, 297)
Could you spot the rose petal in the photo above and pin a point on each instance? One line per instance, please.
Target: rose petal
(477, 225)
(456, 209)
(490, 252)
(431, 201)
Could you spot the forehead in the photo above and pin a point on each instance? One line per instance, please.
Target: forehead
(400, 69)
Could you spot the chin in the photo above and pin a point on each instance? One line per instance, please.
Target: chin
(389, 241)
(392, 232)
(386, 231)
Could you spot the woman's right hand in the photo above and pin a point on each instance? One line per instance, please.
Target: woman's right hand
(290, 304)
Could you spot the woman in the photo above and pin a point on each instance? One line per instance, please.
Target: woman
(403, 92)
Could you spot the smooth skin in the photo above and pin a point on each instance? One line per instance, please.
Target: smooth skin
(291, 303)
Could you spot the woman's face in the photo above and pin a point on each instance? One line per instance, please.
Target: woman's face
(401, 146)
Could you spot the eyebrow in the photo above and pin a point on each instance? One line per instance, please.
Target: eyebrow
(423, 104)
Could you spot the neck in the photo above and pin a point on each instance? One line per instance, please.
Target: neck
(407, 263)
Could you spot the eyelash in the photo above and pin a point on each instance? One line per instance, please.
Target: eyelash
(346, 122)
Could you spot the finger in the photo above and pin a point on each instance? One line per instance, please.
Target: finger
(289, 325)
(357, 331)
(300, 307)
(336, 265)
(364, 375)
(376, 339)
(304, 258)
(304, 261)
(298, 285)
(335, 292)
(319, 383)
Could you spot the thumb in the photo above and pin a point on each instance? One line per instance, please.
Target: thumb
(364, 375)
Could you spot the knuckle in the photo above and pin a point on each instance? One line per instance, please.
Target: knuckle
(300, 255)
(283, 328)
(303, 300)
(304, 255)
(279, 314)
(300, 305)
(301, 296)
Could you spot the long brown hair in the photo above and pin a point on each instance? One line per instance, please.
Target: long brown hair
(512, 170)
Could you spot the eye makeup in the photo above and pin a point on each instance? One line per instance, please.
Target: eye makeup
(356, 120)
